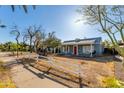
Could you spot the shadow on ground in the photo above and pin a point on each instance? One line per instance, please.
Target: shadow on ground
(47, 74)
(103, 59)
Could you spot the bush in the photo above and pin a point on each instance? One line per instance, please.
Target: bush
(7, 84)
(5, 80)
(1, 65)
(112, 82)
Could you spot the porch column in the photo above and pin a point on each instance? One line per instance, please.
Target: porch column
(63, 49)
(68, 49)
(91, 48)
(73, 49)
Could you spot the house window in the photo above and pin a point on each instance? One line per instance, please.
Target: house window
(87, 49)
(80, 49)
(71, 49)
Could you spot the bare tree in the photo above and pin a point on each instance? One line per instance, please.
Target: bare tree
(31, 32)
(39, 40)
(109, 18)
(16, 32)
(25, 39)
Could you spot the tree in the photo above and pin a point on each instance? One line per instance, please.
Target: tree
(16, 33)
(30, 34)
(39, 39)
(5, 46)
(25, 39)
(24, 7)
(52, 41)
(107, 44)
(110, 19)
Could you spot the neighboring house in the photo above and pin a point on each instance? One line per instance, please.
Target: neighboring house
(121, 44)
(83, 47)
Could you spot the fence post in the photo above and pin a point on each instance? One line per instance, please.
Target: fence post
(80, 79)
(37, 57)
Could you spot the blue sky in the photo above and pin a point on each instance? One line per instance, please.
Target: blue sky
(60, 19)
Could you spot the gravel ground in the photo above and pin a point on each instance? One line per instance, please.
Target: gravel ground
(119, 71)
(91, 70)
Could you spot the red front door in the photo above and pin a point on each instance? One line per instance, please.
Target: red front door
(75, 50)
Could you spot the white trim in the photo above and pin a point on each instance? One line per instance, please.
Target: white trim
(82, 50)
(79, 43)
(63, 49)
(73, 49)
(66, 49)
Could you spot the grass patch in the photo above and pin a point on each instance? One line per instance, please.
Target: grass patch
(2, 68)
(112, 82)
(5, 80)
(7, 84)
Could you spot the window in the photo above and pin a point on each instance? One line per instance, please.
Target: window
(87, 49)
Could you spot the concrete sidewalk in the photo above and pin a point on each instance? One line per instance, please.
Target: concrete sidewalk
(29, 77)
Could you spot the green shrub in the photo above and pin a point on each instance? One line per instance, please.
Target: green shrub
(112, 82)
(7, 84)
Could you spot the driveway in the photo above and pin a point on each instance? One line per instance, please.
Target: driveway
(25, 76)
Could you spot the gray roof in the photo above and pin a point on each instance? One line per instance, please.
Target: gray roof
(81, 41)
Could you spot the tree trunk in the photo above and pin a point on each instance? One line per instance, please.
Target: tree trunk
(122, 35)
(30, 45)
(17, 47)
(123, 62)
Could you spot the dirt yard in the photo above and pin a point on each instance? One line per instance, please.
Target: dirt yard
(69, 71)
(66, 70)
(5, 79)
(72, 71)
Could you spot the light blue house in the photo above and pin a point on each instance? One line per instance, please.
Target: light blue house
(83, 47)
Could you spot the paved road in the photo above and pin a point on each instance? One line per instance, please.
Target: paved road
(29, 77)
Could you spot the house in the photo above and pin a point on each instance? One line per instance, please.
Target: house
(121, 43)
(83, 47)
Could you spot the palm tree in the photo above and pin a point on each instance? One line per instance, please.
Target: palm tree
(24, 7)
(2, 25)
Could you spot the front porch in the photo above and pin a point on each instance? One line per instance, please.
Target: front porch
(79, 50)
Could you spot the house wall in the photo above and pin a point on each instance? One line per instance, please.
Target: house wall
(99, 49)
(81, 50)
(69, 49)
(98, 46)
